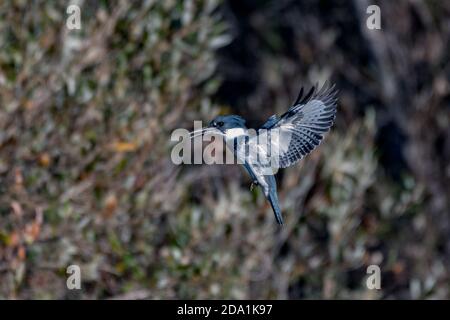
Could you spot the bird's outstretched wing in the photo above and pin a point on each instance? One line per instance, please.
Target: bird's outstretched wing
(298, 131)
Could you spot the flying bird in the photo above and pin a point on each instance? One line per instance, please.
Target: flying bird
(281, 141)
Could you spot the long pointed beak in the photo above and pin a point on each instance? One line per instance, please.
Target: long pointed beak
(199, 132)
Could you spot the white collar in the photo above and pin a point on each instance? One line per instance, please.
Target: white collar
(234, 133)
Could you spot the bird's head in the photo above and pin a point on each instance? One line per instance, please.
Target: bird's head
(231, 126)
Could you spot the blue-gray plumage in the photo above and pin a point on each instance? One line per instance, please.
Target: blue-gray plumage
(282, 140)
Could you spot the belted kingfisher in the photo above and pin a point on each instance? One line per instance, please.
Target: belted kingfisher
(281, 141)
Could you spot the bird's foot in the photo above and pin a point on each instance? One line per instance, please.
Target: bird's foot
(254, 183)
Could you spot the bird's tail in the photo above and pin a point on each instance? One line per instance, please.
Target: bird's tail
(273, 199)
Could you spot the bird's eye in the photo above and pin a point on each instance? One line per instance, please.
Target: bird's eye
(220, 123)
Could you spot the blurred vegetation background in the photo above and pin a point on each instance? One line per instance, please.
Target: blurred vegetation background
(85, 170)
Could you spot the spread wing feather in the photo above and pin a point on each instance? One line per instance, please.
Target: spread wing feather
(301, 129)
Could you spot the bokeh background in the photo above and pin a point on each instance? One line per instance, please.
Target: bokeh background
(86, 176)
